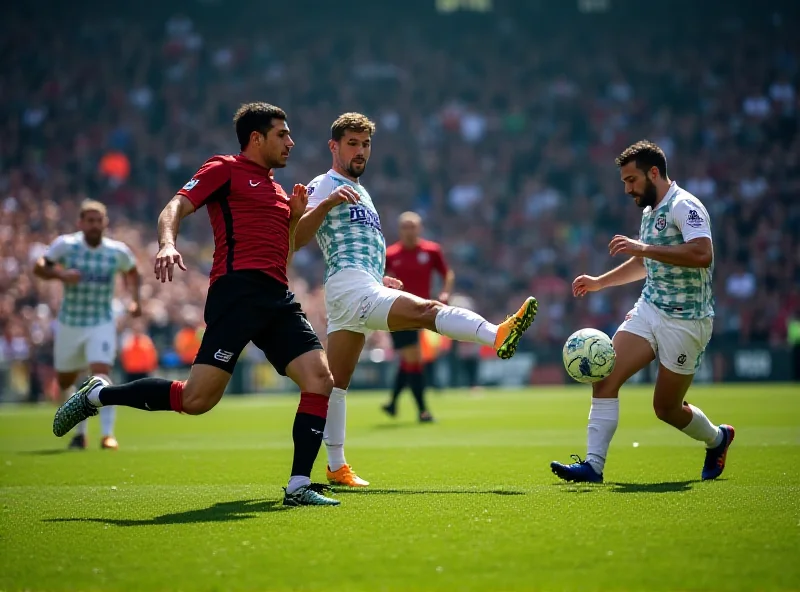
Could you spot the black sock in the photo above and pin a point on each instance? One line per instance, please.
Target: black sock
(399, 384)
(147, 394)
(417, 381)
(307, 437)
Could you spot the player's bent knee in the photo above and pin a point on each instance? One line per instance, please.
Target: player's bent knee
(320, 381)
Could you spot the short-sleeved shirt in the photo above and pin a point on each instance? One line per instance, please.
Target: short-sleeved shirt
(681, 292)
(249, 214)
(350, 237)
(415, 267)
(89, 303)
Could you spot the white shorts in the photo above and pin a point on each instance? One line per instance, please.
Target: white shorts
(678, 343)
(357, 302)
(77, 347)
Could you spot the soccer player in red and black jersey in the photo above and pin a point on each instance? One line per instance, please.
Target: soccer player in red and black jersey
(253, 221)
(414, 260)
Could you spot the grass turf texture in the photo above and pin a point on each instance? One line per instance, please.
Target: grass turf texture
(466, 504)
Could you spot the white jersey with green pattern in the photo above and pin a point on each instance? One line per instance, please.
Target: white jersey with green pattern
(89, 303)
(681, 292)
(350, 236)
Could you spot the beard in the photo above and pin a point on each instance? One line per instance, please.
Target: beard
(648, 197)
(93, 237)
(356, 169)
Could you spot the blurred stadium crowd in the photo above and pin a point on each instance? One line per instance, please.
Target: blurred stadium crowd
(504, 145)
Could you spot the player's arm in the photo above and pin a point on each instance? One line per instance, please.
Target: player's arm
(447, 273)
(631, 271)
(169, 222)
(696, 253)
(697, 250)
(210, 179)
(319, 205)
(48, 267)
(132, 278)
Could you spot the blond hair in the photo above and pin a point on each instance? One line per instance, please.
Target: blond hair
(410, 217)
(92, 205)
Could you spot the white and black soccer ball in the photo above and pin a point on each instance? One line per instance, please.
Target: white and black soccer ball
(589, 355)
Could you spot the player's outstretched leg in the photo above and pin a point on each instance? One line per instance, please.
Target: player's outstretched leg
(633, 354)
(200, 393)
(410, 312)
(671, 408)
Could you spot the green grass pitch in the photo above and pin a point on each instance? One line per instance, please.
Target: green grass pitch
(193, 503)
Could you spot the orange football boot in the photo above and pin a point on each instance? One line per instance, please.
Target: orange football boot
(510, 331)
(344, 475)
(109, 443)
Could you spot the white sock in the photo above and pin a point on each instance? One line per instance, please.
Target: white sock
(464, 325)
(701, 428)
(335, 425)
(296, 482)
(94, 395)
(603, 420)
(82, 428)
(107, 417)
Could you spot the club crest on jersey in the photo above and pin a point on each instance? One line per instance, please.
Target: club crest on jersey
(694, 219)
(661, 222)
(422, 258)
(190, 185)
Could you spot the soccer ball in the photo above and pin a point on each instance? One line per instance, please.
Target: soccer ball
(589, 355)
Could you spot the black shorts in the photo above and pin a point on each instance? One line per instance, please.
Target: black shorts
(248, 305)
(403, 339)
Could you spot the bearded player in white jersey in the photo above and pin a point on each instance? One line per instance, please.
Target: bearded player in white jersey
(358, 297)
(672, 319)
(87, 264)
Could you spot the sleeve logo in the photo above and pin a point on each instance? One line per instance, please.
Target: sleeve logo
(190, 185)
(694, 219)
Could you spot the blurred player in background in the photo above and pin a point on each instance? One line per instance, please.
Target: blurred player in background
(248, 299)
(672, 319)
(358, 297)
(413, 260)
(87, 263)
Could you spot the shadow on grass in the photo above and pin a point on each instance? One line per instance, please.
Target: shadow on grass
(373, 491)
(666, 487)
(49, 452)
(219, 512)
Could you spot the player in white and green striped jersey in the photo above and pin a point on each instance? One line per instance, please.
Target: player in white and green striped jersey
(672, 319)
(87, 264)
(358, 298)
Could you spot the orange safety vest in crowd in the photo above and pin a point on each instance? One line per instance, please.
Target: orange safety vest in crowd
(138, 355)
(187, 344)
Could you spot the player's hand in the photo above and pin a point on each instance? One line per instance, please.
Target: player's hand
(444, 297)
(135, 310)
(343, 194)
(393, 283)
(70, 277)
(298, 202)
(584, 284)
(622, 245)
(166, 260)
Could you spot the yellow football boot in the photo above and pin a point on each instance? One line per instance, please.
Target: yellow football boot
(510, 331)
